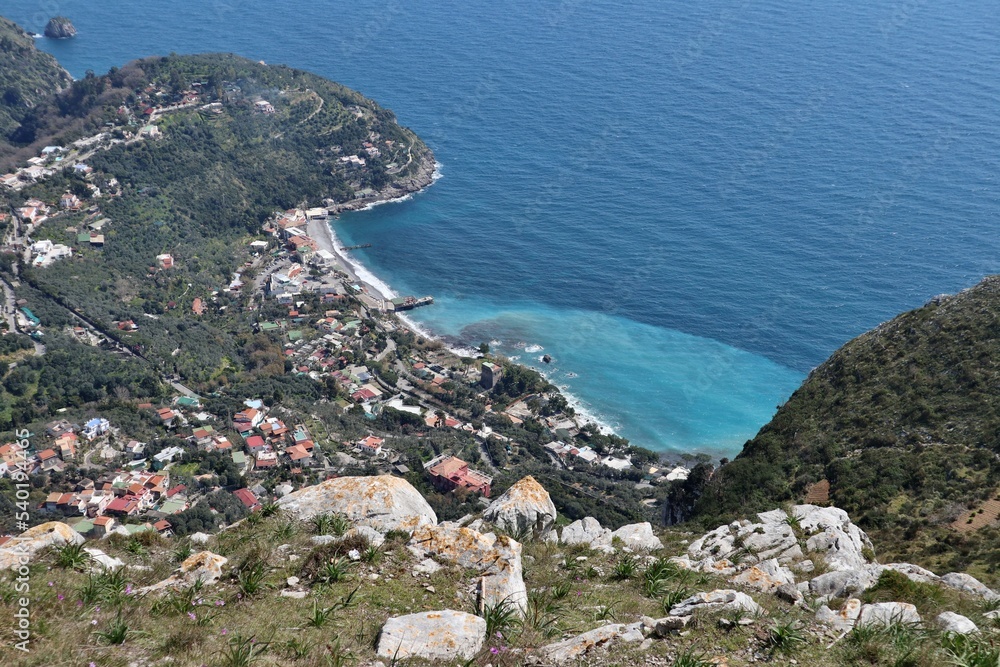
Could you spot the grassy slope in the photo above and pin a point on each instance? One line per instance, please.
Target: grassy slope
(27, 75)
(569, 596)
(904, 422)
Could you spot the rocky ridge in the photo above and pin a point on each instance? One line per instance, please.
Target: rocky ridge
(804, 558)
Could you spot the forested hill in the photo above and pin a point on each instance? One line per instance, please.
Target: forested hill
(189, 156)
(904, 424)
(27, 76)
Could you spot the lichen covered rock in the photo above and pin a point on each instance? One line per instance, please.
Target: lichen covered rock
(383, 503)
(525, 508)
(21, 550)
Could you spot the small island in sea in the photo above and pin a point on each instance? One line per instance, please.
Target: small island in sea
(59, 27)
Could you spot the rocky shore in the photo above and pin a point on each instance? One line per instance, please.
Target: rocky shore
(415, 183)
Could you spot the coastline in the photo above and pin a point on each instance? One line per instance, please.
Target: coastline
(322, 231)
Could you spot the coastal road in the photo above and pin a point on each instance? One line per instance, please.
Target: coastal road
(390, 347)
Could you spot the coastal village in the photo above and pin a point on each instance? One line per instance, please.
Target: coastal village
(333, 328)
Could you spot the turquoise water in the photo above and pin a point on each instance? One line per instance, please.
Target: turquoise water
(688, 205)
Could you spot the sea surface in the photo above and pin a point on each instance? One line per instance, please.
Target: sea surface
(687, 205)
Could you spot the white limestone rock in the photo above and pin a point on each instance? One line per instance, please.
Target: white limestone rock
(497, 559)
(969, 584)
(585, 644)
(844, 619)
(103, 560)
(949, 621)
(766, 576)
(586, 531)
(718, 600)
(383, 502)
(834, 535)
(839, 584)
(199, 538)
(915, 573)
(432, 635)
(21, 550)
(888, 613)
(523, 509)
(638, 537)
(203, 566)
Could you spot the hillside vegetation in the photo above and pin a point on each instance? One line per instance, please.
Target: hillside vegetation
(904, 423)
(27, 76)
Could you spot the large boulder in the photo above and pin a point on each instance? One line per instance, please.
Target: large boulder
(717, 600)
(21, 550)
(888, 613)
(432, 635)
(584, 644)
(384, 502)
(496, 559)
(586, 531)
(638, 536)
(524, 509)
(832, 534)
(968, 584)
(828, 532)
(204, 567)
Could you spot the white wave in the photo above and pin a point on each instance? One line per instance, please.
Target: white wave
(495, 343)
(362, 272)
(531, 349)
(585, 413)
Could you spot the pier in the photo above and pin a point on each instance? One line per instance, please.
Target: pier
(356, 247)
(410, 302)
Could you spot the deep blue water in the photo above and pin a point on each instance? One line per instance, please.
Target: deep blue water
(688, 205)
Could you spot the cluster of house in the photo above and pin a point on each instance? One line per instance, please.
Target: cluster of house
(270, 442)
(43, 253)
(448, 473)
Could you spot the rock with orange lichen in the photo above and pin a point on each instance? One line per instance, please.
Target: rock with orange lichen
(384, 502)
(496, 559)
(766, 576)
(523, 509)
(432, 635)
(204, 567)
(21, 550)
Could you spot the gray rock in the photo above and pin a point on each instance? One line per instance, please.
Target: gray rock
(969, 584)
(638, 536)
(789, 593)
(432, 635)
(663, 627)
(59, 27)
(586, 531)
(842, 584)
(323, 540)
(292, 581)
(949, 621)
(888, 613)
(383, 503)
(720, 600)
(523, 509)
(372, 536)
(295, 595)
(588, 642)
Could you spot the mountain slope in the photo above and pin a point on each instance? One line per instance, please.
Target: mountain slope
(27, 75)
(903, 421)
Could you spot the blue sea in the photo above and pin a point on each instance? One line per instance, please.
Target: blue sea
(687, 205)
